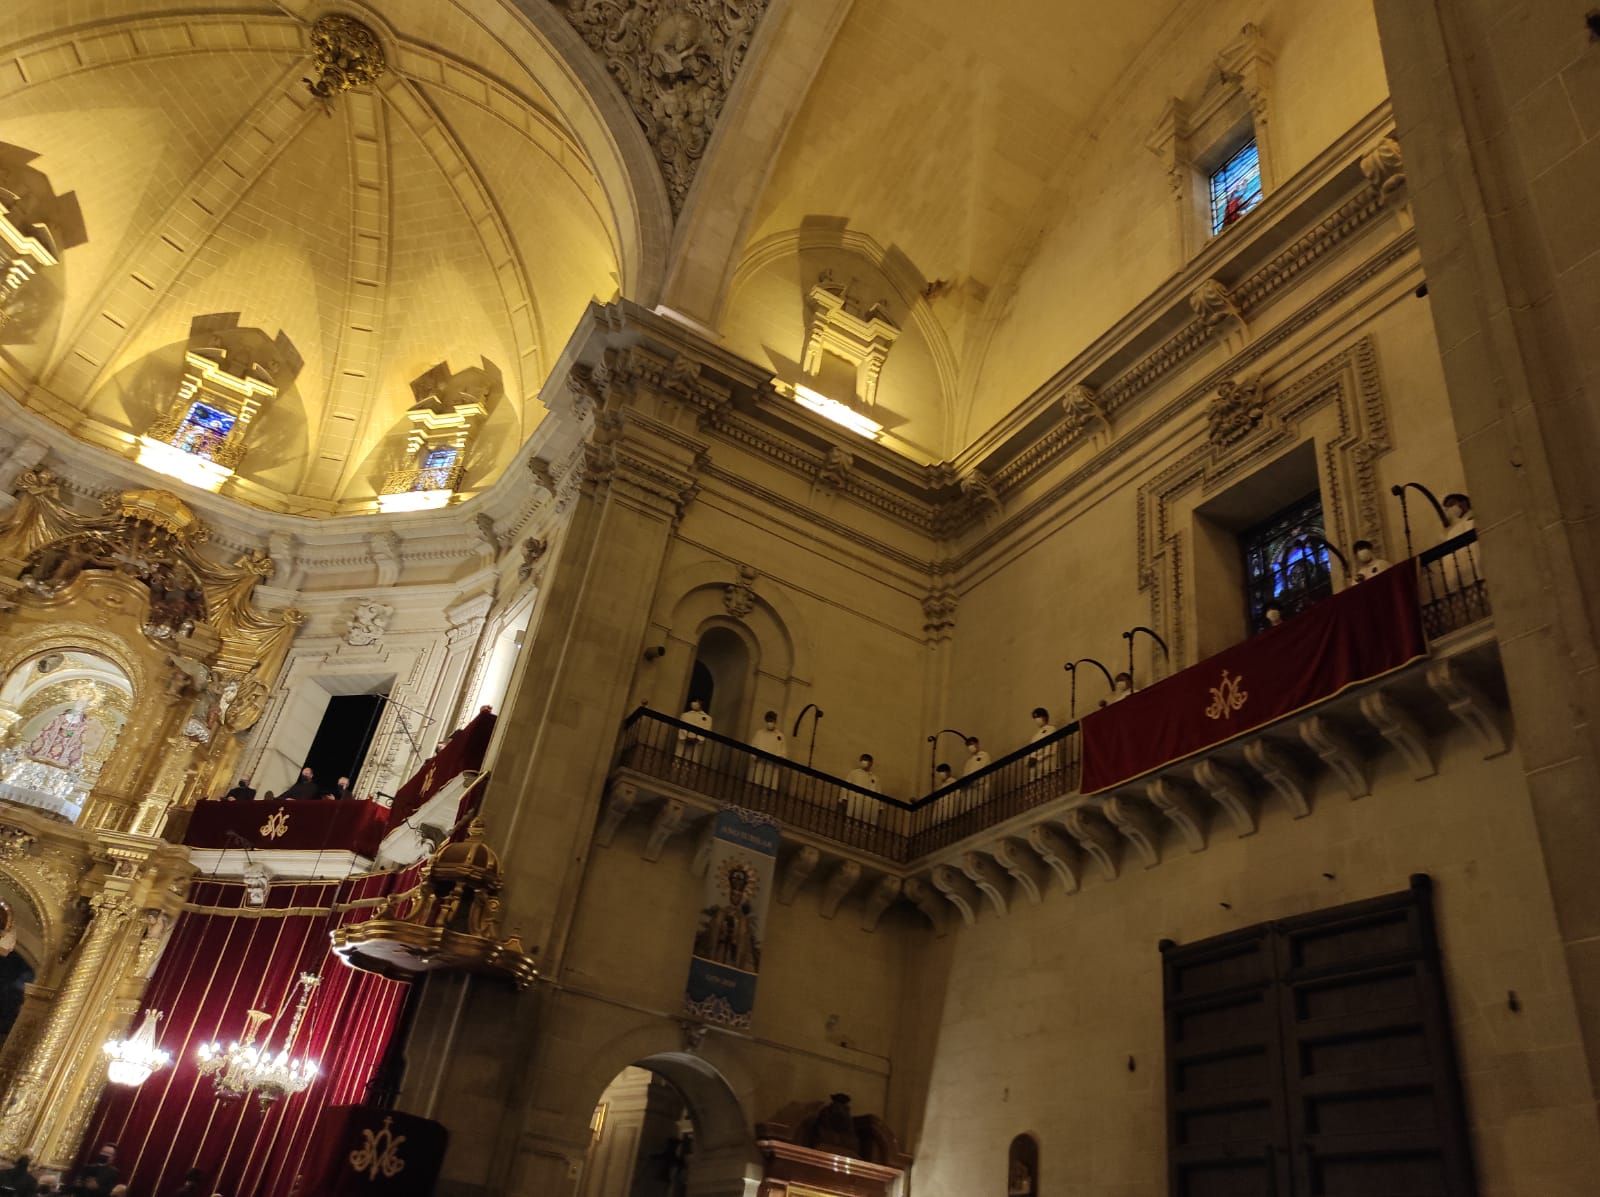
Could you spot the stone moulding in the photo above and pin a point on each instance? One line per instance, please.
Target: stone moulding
(940, 507)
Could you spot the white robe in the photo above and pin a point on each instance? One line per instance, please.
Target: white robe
(859, 806)
(764, 773)
(1043, 762)
(689, 744)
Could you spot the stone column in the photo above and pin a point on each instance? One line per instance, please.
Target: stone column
(1499, 122)
(557, 736)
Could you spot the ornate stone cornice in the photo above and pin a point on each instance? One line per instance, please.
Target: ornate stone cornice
(675, 61)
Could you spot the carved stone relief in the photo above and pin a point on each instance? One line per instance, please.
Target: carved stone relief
(675, 61)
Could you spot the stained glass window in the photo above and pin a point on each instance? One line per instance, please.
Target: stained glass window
(1235, 186)
(1286, 561)
(437, 467)
(203, 430)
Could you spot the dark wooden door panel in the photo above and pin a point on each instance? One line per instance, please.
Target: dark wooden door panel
(1312, 1058)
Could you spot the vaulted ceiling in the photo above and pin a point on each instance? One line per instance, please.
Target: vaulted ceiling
(501, 174)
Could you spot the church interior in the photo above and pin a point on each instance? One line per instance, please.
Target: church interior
(799, 598)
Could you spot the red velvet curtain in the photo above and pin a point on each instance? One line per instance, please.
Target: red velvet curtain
(218, 964)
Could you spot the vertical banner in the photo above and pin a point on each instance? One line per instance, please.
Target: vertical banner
(732, 927)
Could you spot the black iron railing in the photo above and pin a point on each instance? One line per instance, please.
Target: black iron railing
(727, 771)
(1450, 585)
(1451, 594)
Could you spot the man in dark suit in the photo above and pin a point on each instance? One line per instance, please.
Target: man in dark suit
(243, 792)
(305, 786)
(341, 790)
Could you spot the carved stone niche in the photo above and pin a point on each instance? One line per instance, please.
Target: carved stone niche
(822, 1147)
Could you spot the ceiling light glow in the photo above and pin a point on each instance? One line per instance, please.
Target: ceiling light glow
(840, 413)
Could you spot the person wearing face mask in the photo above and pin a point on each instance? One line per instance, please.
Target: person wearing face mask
(859, 806)
(690, 745)
(770, 740)
(1368, 563)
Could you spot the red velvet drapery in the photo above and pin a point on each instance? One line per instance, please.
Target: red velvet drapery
(1359, 634)
(222, 960)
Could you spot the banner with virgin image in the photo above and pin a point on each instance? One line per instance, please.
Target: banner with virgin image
(730, 932)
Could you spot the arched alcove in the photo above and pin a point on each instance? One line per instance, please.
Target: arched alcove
(728, 658)
(61, 713)
(1022, 1167)
(667, 1125)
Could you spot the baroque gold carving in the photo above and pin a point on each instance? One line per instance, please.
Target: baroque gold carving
(449, 921)
(346, 54)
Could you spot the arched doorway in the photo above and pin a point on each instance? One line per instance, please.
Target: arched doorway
(669, 1126)
(721, 677)
(61, 713)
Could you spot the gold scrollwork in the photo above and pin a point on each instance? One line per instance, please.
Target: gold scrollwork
(1227, 696)
(277, 824)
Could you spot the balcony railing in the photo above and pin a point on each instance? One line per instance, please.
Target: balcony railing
(727, 771)
(1451, 596)
(1450, 586)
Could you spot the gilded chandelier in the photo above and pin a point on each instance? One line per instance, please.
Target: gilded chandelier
(247, 1067)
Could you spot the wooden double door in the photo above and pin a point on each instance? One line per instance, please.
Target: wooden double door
(1313, 1057)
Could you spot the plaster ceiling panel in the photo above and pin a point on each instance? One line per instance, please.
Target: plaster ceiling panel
(935, 133)
(481, 40)
(443, 301)
(280, 258)
(22, 20)
(562, 237)
(127, 138)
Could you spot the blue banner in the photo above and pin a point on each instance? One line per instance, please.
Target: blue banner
(730, 933)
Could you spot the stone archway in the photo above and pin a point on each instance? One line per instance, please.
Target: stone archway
(722, 1162)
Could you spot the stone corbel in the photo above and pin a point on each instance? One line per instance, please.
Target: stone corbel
(1405, 735)
(1470, 705)
(835, 467)
(979, 491)
(1229, 791)
(1057, 852)
(1095, 838)
(1281, 773)
(620, 802)
(1172, 799)
(839, 884)
(796, 871)
(1214, 306)
(926, 899)
(1384, 169)
(880, 899)
(384, 548)
(963, 895)
(668, 821)
(982, 871)
(1135, 826)
(1338, 752)
(1025, 869)
(1083, 412)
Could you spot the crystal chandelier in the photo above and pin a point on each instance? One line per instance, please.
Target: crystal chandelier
(132, 1060)
(248, 1067)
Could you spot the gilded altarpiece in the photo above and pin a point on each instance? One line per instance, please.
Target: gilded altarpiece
(131, 663)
